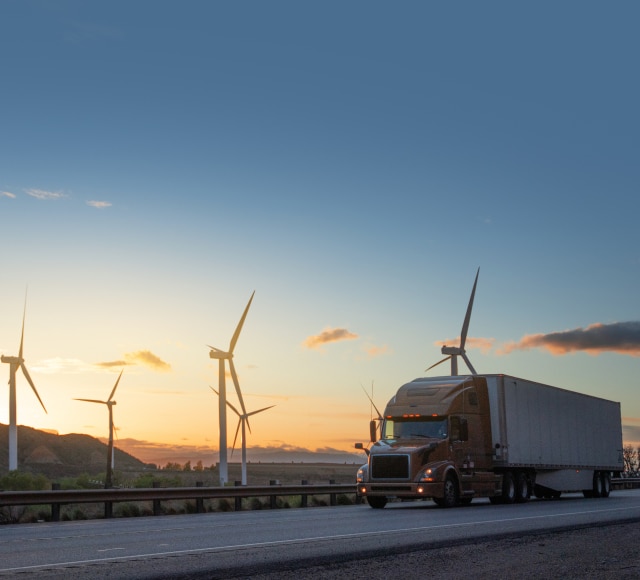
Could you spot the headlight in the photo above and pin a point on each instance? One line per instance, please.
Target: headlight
(362, 474)
(428, 475)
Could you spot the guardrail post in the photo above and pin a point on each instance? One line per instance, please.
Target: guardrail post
(108, 509)
(304, 497)
(238, 500)
(272, 499)
(157, 507)
(332, 497)
(55, 507)
(199, 500)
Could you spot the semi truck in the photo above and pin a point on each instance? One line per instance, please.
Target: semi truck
(455, 438)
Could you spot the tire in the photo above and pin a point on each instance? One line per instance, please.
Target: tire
(597, 484)
(377, 502)
(523, 487)
(451, 496)
(508, 488)
(605, 479)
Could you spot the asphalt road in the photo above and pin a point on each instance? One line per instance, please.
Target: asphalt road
(224, 545)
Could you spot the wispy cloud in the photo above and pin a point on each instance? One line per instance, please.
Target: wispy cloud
(139, 357)
(618, 337)
(7, 194)
(62, 365)
(42, 194)
(484, 344)
(374, 351)
(327, 336)
(99, 204)
(149, 359)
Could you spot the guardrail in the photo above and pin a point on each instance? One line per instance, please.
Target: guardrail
(59, 497)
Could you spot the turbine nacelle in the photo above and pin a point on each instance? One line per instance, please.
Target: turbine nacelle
(218, 354)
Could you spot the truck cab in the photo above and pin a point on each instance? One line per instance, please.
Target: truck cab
(435, 442)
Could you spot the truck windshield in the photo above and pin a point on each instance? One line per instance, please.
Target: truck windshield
(415, 427)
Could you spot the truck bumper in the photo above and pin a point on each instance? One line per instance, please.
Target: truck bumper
(409, 490)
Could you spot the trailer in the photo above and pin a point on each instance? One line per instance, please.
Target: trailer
(455, 438)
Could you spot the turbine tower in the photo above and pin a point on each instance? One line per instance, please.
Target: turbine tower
(243, 420)
(223, 356)
(454, 352)
(15, 363)
(110, 454)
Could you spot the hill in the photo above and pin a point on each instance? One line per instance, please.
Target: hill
(61, 455)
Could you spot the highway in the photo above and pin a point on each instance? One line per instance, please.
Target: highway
(223, 545)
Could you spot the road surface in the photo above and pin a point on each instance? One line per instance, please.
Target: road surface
(224, 545)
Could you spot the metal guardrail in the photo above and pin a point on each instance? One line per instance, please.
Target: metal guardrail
(58, 497)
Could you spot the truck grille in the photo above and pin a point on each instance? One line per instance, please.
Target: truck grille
(390, 467)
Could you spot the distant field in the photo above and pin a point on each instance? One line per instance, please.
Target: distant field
(264, 473)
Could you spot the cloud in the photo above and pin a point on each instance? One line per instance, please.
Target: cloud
(99, 204)
(144, 357)
(327, 336)
(374, 351)
(113, 363)
(147, 358)
(484, 344)
(7, 194)
(618, 337)
(42, 194)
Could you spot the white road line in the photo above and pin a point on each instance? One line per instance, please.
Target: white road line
(306, 540)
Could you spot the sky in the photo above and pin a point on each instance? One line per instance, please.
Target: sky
(354, 164)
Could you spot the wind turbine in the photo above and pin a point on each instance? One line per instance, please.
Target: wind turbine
(455, 351)
(222, 356)
(243, 420)
(380, 417)
(15, 363)
(110, 454)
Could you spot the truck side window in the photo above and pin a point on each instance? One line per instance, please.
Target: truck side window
(459, 429)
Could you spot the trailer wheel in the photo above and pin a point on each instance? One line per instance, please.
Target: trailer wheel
(605, 479)
(508, 488)
(523, 487)
(451, 496)
(377, 502)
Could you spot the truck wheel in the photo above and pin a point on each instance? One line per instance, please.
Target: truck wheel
(377, 502)
(605, 479)
(523, 487)
(508, 488)
(451, 495)
(597, 484)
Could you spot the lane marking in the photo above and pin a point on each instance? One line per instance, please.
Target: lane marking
(303, 540)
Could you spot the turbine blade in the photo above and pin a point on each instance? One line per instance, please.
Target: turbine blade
(234, 376)
(26, 374)
(439, 362)
(467, 318)
(260, 410)
(24, 315)
(228, 403)
(236, 437)
(371, 400)
(116, 386)
(91, 401)
(236, 334)
(466, 360)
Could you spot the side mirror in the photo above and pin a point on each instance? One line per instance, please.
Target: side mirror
(362, 448)
(373, 432)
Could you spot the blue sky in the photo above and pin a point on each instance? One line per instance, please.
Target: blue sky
(353, 163)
